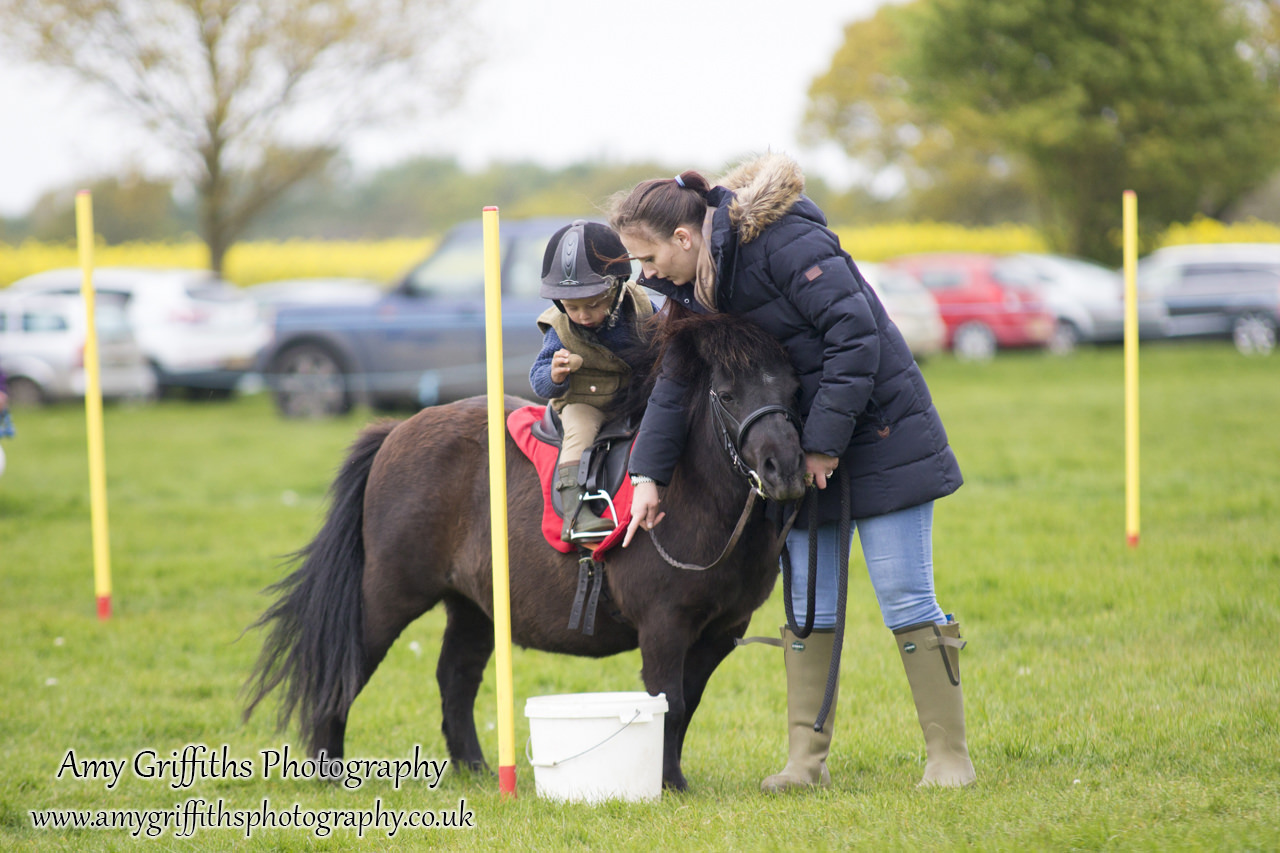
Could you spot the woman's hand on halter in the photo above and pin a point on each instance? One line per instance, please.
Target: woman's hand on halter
(819, 467)
(644, 510)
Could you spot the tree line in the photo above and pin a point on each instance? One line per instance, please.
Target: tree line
(970, 111)
(421, 196)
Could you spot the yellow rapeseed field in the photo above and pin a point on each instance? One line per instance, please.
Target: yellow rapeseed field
(1204, 230)
(386, 260)
(247, 263)
(879, 242)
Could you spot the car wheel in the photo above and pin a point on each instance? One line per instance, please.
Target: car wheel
(1065, 338)
(24, 393)
(1254, 334)
(974, 342)
(308, 382)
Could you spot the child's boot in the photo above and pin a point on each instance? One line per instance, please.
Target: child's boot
(571, 504)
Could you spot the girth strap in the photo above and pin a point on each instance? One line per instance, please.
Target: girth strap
(590, 583)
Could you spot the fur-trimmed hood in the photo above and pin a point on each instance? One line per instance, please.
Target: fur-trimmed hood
(764, 189)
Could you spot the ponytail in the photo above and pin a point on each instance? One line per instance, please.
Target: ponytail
(693, 180)
(662, 205)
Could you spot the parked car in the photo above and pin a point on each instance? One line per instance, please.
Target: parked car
(423, 341)
(1227, 290)
(42, 349)
(199, 332)
(1088, 301)
(911, 307)
(987, 301)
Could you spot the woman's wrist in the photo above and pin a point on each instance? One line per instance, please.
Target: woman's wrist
(637, 479)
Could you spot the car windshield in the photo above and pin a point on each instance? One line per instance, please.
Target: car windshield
(1016, 272)
(893, 281)
(456, 269)
(943, 279)
(214, 291)
(523, 276)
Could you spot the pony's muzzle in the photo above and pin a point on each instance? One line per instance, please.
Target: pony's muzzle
(782, 473)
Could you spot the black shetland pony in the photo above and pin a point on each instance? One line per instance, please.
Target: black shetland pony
(408, 528)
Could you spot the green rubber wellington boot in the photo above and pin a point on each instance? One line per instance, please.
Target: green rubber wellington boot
(931, 656)
(808, 661)
(588, 525)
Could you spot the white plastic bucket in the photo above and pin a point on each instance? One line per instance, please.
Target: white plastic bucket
(592, 747)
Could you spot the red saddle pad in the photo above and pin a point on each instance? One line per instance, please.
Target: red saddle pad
(544, 456)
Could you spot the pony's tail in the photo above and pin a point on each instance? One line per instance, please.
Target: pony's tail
(315, 646)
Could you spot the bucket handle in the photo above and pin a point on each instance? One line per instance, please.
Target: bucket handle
(529, 757)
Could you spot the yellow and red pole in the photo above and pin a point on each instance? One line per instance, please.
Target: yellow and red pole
(93, 412)
(498, 503)
(1130, 210)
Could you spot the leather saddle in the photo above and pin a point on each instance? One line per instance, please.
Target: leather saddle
(604, 464)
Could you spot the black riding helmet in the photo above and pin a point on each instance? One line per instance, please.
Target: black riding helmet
(583, 259)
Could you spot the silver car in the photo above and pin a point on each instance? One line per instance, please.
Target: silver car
(42, 349)
(200, 333)
(1222, 290)
(1088, 301)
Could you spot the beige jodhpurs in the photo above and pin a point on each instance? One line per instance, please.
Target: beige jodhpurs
(581, 423)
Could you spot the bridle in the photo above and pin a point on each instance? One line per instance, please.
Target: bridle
(732, 433)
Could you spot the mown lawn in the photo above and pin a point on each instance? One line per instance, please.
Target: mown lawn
(1118, 698)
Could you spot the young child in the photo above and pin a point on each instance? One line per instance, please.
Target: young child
(596, 315)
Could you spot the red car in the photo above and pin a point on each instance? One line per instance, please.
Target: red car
(987, 301)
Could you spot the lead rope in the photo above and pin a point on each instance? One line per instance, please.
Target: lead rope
(842, 589)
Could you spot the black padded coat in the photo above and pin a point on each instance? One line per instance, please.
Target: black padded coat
(862, 396)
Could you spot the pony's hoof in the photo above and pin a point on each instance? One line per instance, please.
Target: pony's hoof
(675, 783)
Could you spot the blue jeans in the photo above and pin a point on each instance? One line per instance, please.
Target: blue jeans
(898, 548)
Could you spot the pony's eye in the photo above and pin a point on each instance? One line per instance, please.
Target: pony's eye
(726, 396)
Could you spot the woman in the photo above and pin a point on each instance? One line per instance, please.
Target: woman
(755, 246)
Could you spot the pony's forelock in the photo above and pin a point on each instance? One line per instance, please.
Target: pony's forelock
(731, 343)
(685, 346)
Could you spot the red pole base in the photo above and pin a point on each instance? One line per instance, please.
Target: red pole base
(104, 607)
(1133, 540)
(507, 780)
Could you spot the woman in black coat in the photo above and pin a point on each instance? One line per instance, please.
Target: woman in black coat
(755, 246)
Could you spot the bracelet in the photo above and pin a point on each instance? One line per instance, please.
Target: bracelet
(637, 479)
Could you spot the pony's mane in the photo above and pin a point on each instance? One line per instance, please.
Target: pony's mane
(691, 344)
(697, 342)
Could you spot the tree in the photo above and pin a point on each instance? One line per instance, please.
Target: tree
(132, 207)
(1175, 99)
(251, 96)
(936, 170)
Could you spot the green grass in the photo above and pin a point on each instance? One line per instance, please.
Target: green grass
(1117, 698)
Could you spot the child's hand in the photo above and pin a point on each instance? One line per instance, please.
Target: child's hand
(562, 364)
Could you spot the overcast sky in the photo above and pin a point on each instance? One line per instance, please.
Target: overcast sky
(689, 82)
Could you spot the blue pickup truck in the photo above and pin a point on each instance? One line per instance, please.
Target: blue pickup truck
(422, 342)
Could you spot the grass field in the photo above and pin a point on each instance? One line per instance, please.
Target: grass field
(1118, 698)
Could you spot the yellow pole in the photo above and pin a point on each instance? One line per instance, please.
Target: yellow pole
(93, 412)
(1131, 366)
(498, 503)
